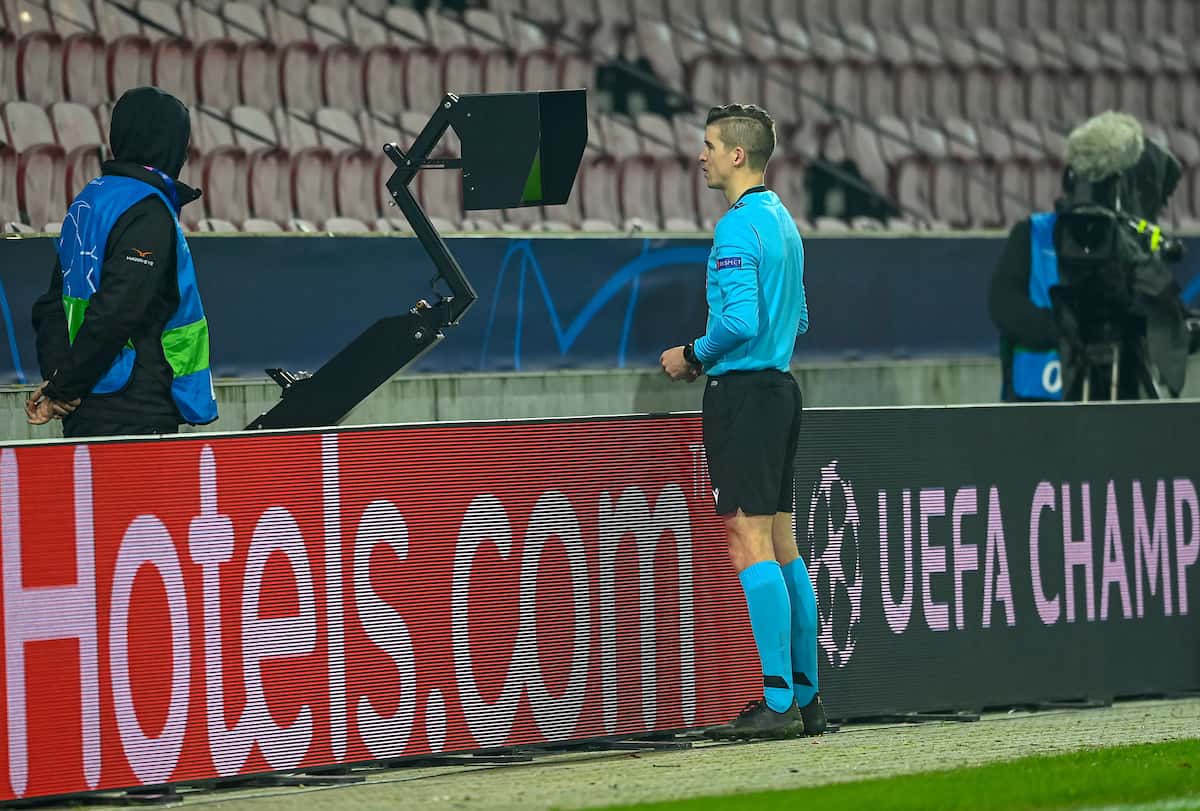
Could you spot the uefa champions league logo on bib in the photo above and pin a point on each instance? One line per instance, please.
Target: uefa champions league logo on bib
(835, 563)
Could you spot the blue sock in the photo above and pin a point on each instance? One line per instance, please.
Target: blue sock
(770, 619)
(804, 630)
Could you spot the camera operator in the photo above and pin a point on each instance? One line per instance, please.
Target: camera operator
(1082, 296)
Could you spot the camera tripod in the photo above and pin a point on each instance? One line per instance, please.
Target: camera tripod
(1118, 370)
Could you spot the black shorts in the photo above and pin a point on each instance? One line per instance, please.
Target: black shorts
(751, 431)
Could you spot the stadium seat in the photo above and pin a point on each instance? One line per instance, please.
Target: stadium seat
(341, 70)
(77, 133)
(10, 209)
(258, 225)
(74, 125)
(253, 129)
(657, 137)
(39, 67)
(84, 57)
(655, 41)
(423, 80)
(367, 25)
(269, 185)
(354, 195)
(539, 70)
(638, 189)
(210, 129)
(224, 180)
(216, 226)
(440, 194)
(619, 137)
(677, 193)
(779, 90)
(40, 185)
(300, 76)
(406, 27)
(500, 73)
(218, 76)
(711, 204)
(384, 72)
(203, 22)
(461, 72)
(599, 194)
(863, 147)
(345, 225)
(527, 218)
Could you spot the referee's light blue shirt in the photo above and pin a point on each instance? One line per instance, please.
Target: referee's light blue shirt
(755, 288)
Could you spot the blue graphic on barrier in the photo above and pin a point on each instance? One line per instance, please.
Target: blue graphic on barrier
(1192, 292)
(550, 304)
(627, 275)
(12, 336)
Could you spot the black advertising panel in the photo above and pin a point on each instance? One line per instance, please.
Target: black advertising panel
(992, 556)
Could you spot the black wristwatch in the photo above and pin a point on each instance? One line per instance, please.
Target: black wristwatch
(689, 354)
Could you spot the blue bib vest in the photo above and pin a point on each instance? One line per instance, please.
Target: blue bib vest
(1038, 375)
(81, 248)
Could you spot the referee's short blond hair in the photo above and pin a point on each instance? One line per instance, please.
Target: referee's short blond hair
(748, 126)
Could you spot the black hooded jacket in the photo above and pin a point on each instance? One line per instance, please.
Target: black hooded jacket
(150, 128)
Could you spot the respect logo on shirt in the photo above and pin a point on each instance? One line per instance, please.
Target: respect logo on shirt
(730, 262)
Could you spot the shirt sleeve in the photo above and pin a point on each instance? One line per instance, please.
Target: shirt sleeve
(50, 325)
(738, 254)
(140, 251)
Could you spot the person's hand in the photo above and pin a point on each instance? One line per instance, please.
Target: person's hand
(676, 367)
(62, 408)
(37, 407)
(40, 409)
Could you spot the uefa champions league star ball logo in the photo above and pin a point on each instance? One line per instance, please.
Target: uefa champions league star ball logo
(834, 563)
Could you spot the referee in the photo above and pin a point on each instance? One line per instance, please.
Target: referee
(756, 308)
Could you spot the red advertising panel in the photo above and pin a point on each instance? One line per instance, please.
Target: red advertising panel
(205, 607)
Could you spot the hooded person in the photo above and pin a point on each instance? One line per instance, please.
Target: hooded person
(121, 335)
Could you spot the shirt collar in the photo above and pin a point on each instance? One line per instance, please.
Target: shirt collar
(751, 190)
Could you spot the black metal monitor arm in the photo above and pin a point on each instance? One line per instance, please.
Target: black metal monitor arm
(510, 160)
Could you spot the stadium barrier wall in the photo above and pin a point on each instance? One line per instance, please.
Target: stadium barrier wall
(202, 607)
(549, 303)
(997, 556)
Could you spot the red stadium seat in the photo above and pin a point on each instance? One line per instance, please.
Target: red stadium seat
(40, 184)
(657, 137)
(84, 58)
(638, 188)
(384, 72)
(677, 193)
(787, 179)
(440, 194)
(74, 125)
(539, 70)
(130, 62)
(423, 88)
(8, 66)
(354, 175)
(269, 185)
(460, 71)
(342, 77)
(711, 203)
(599, 195)
(300, 76)
(173, 69)
(10, 208)
(39, 67)
(226, 194)
(500, 73)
